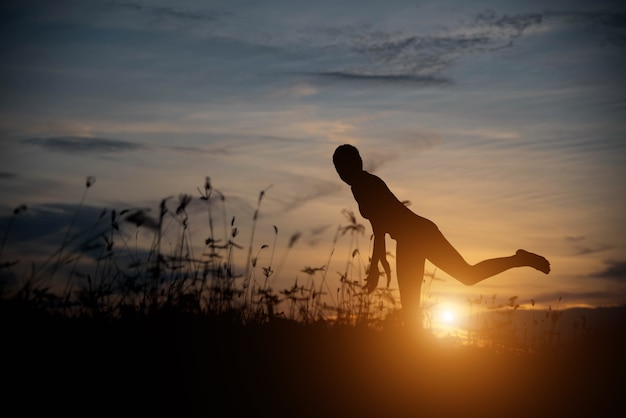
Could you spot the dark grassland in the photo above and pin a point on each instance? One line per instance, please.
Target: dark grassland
(170, 334)
(173, 364)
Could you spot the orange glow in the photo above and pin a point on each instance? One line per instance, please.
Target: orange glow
(447, 320)
(447, 316)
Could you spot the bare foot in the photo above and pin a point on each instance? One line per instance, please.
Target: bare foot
(533, 260)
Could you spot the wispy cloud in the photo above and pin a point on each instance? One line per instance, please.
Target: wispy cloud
(172, 13)
(582, 247)
(46, 224)
(611, 26)
(83, 145)
(309, 189)
(392, 56)
(365, 51)
(387, 78)
(386, 55)
(503, 29)
(316, 234)
(594, 297)
(614, 271)
(199, 150)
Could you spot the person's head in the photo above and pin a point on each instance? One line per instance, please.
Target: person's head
(348, 162)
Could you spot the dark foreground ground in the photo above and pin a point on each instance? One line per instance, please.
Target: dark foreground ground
(189, 367)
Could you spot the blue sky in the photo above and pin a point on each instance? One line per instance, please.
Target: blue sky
(502, 121)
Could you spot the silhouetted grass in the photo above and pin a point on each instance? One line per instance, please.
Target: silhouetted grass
(174, 331)
(101, 273)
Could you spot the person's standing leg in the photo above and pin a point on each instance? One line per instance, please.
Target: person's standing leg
(410, 274)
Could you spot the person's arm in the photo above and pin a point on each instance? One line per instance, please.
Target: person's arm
(379, 254)
(373, 196)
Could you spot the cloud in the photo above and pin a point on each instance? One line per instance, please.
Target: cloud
(172, 13)
(47, 224)
(303, 189)
(383, 55)
(315, 234)
(83, 145)
(505, 28)
(581, 248)
(611, 25)
(387, 78)
(4, 175)
(362, 51)
(407, 54)
(552, 299)
(572, 238)
(615, 271)
(236, 144)
(585, 250)
(300, 89)
(199, 150)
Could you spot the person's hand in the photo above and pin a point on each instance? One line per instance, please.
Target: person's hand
(372, 279)
(387, 269)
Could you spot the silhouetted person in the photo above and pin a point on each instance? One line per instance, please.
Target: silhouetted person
(417, 239)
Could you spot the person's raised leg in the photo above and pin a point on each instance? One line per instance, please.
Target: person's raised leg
(446, 257)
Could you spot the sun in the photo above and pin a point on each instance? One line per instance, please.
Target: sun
(448, 316)
(447, 321)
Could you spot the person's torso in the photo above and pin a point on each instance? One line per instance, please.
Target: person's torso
(379, 205)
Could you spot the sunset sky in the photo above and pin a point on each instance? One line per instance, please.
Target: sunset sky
(501, 121)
